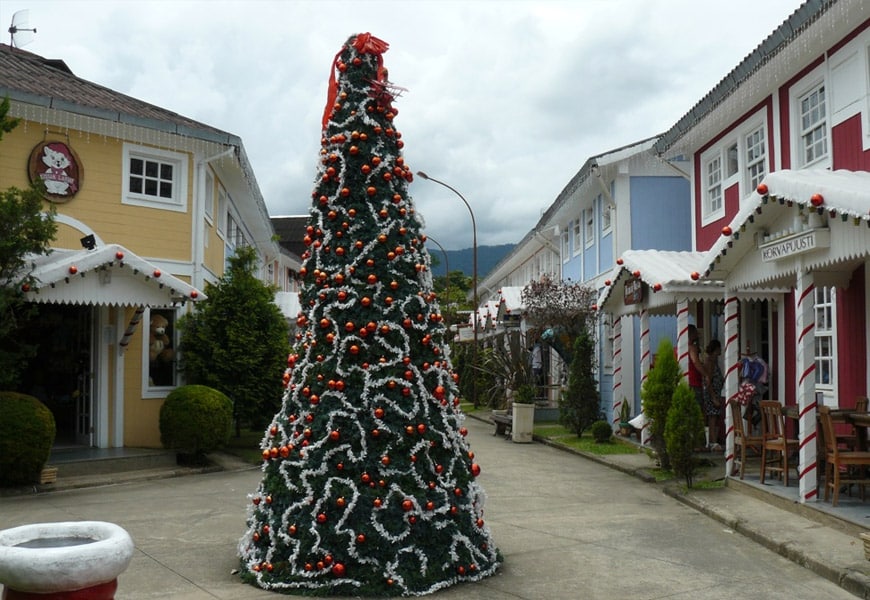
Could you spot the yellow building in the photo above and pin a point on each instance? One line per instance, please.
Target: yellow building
(149, 206)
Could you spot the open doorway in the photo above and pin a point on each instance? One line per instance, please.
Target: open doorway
(60, 374)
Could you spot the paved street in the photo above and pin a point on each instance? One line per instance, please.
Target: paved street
(568, 528)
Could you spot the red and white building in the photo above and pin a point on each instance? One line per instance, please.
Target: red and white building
(780, 182)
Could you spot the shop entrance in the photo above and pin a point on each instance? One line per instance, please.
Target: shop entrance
(61, 373)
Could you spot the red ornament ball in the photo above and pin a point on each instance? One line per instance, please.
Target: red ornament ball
(338, 570)
(762, 189)
(817, 200)
(726, 230)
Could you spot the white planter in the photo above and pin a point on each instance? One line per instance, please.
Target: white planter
(523, 423)
(52, 559)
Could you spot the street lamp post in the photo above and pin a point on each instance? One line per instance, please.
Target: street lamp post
(446, 267)
(474, 274)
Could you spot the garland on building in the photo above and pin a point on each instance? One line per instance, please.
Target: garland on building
(368, 481)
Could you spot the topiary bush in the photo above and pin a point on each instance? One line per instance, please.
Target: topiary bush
(601, 432)
(195, 420)
(657, 393)
(27, 431)
(685, 423)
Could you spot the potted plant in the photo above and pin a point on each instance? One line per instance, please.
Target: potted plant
(624, 418)
(523, 413)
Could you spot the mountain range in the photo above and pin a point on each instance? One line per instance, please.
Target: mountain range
(463, 260)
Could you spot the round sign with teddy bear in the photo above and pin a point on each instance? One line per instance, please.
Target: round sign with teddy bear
(58, 167)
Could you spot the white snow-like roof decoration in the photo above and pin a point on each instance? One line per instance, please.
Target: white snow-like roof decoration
(668, 275)
(510, 301)
(841, 196)
(108, 275)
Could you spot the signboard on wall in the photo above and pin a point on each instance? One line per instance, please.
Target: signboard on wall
(58, 167)
(633, 291)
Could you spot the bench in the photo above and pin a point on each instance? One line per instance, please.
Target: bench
(503, 423)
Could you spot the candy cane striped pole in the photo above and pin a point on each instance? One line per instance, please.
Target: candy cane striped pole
(806, 385)
(732, 372)
(645, 362)
(683, 335)
(616, 401)
(131, 328)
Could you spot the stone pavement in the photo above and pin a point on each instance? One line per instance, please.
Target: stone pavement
(185, 529)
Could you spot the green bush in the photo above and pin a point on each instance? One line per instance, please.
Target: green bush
(195, 420)
(580, 404)
(685, 424)
(27, 431)
(657, 392)
(601, 432)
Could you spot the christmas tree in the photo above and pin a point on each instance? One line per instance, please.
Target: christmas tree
(368, 481)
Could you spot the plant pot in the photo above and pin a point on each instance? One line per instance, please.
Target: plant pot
(625, 429)
(523, 423)
(76, 559)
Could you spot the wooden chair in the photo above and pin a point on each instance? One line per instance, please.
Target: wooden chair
(850, 440)
(775, 446)
(742, 440)
(841, 466)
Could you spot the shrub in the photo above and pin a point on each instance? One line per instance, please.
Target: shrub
(601, 432)
(195, 420)
(27, 431)
(579, 405)
(657, 393)
(684, 425)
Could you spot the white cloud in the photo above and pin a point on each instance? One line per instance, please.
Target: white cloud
(505, 101)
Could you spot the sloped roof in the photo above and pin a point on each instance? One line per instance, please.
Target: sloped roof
(511, 300)
(668, 275)
(109, 275)
(291, 232)
(32, 79)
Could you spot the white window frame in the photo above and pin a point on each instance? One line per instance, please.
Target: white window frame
(208, 201)
(578, 235)
(738, 160)
(713, 186)
(812, 84)
(178, 200)
(589, 226)
(606, 217)
(754, 158)
(566, 247)
(223, 208)
(825, 347)
(149, 390)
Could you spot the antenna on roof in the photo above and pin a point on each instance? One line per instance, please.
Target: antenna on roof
(19, 32)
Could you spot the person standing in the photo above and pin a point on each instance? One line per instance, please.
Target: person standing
(713, 399)
(697, 370)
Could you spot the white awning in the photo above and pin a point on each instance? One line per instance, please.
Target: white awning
(109, 275)
(666, 276)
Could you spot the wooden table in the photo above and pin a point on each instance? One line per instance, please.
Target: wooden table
(861, 421)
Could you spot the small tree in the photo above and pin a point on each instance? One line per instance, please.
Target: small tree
(579, 405)
(237, 342)
(657, 394)
(685, 423)
(563, 306)
(24, 229)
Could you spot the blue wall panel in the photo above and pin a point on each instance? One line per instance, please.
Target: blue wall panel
(661, 216)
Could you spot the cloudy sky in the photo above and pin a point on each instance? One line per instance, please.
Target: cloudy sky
(506, 99)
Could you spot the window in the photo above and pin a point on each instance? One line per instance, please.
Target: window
(223, 205)
(566, 247)
(755, 158)
(813, 125)
(606, 216)
(825, 301)
(713, 187)
(159, 354)
(578, 235)
(732, 162)
(208, 202)
(590, 226)
(155, 178)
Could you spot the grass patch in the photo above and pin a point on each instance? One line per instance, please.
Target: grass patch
(558, 434)
(246, 447)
